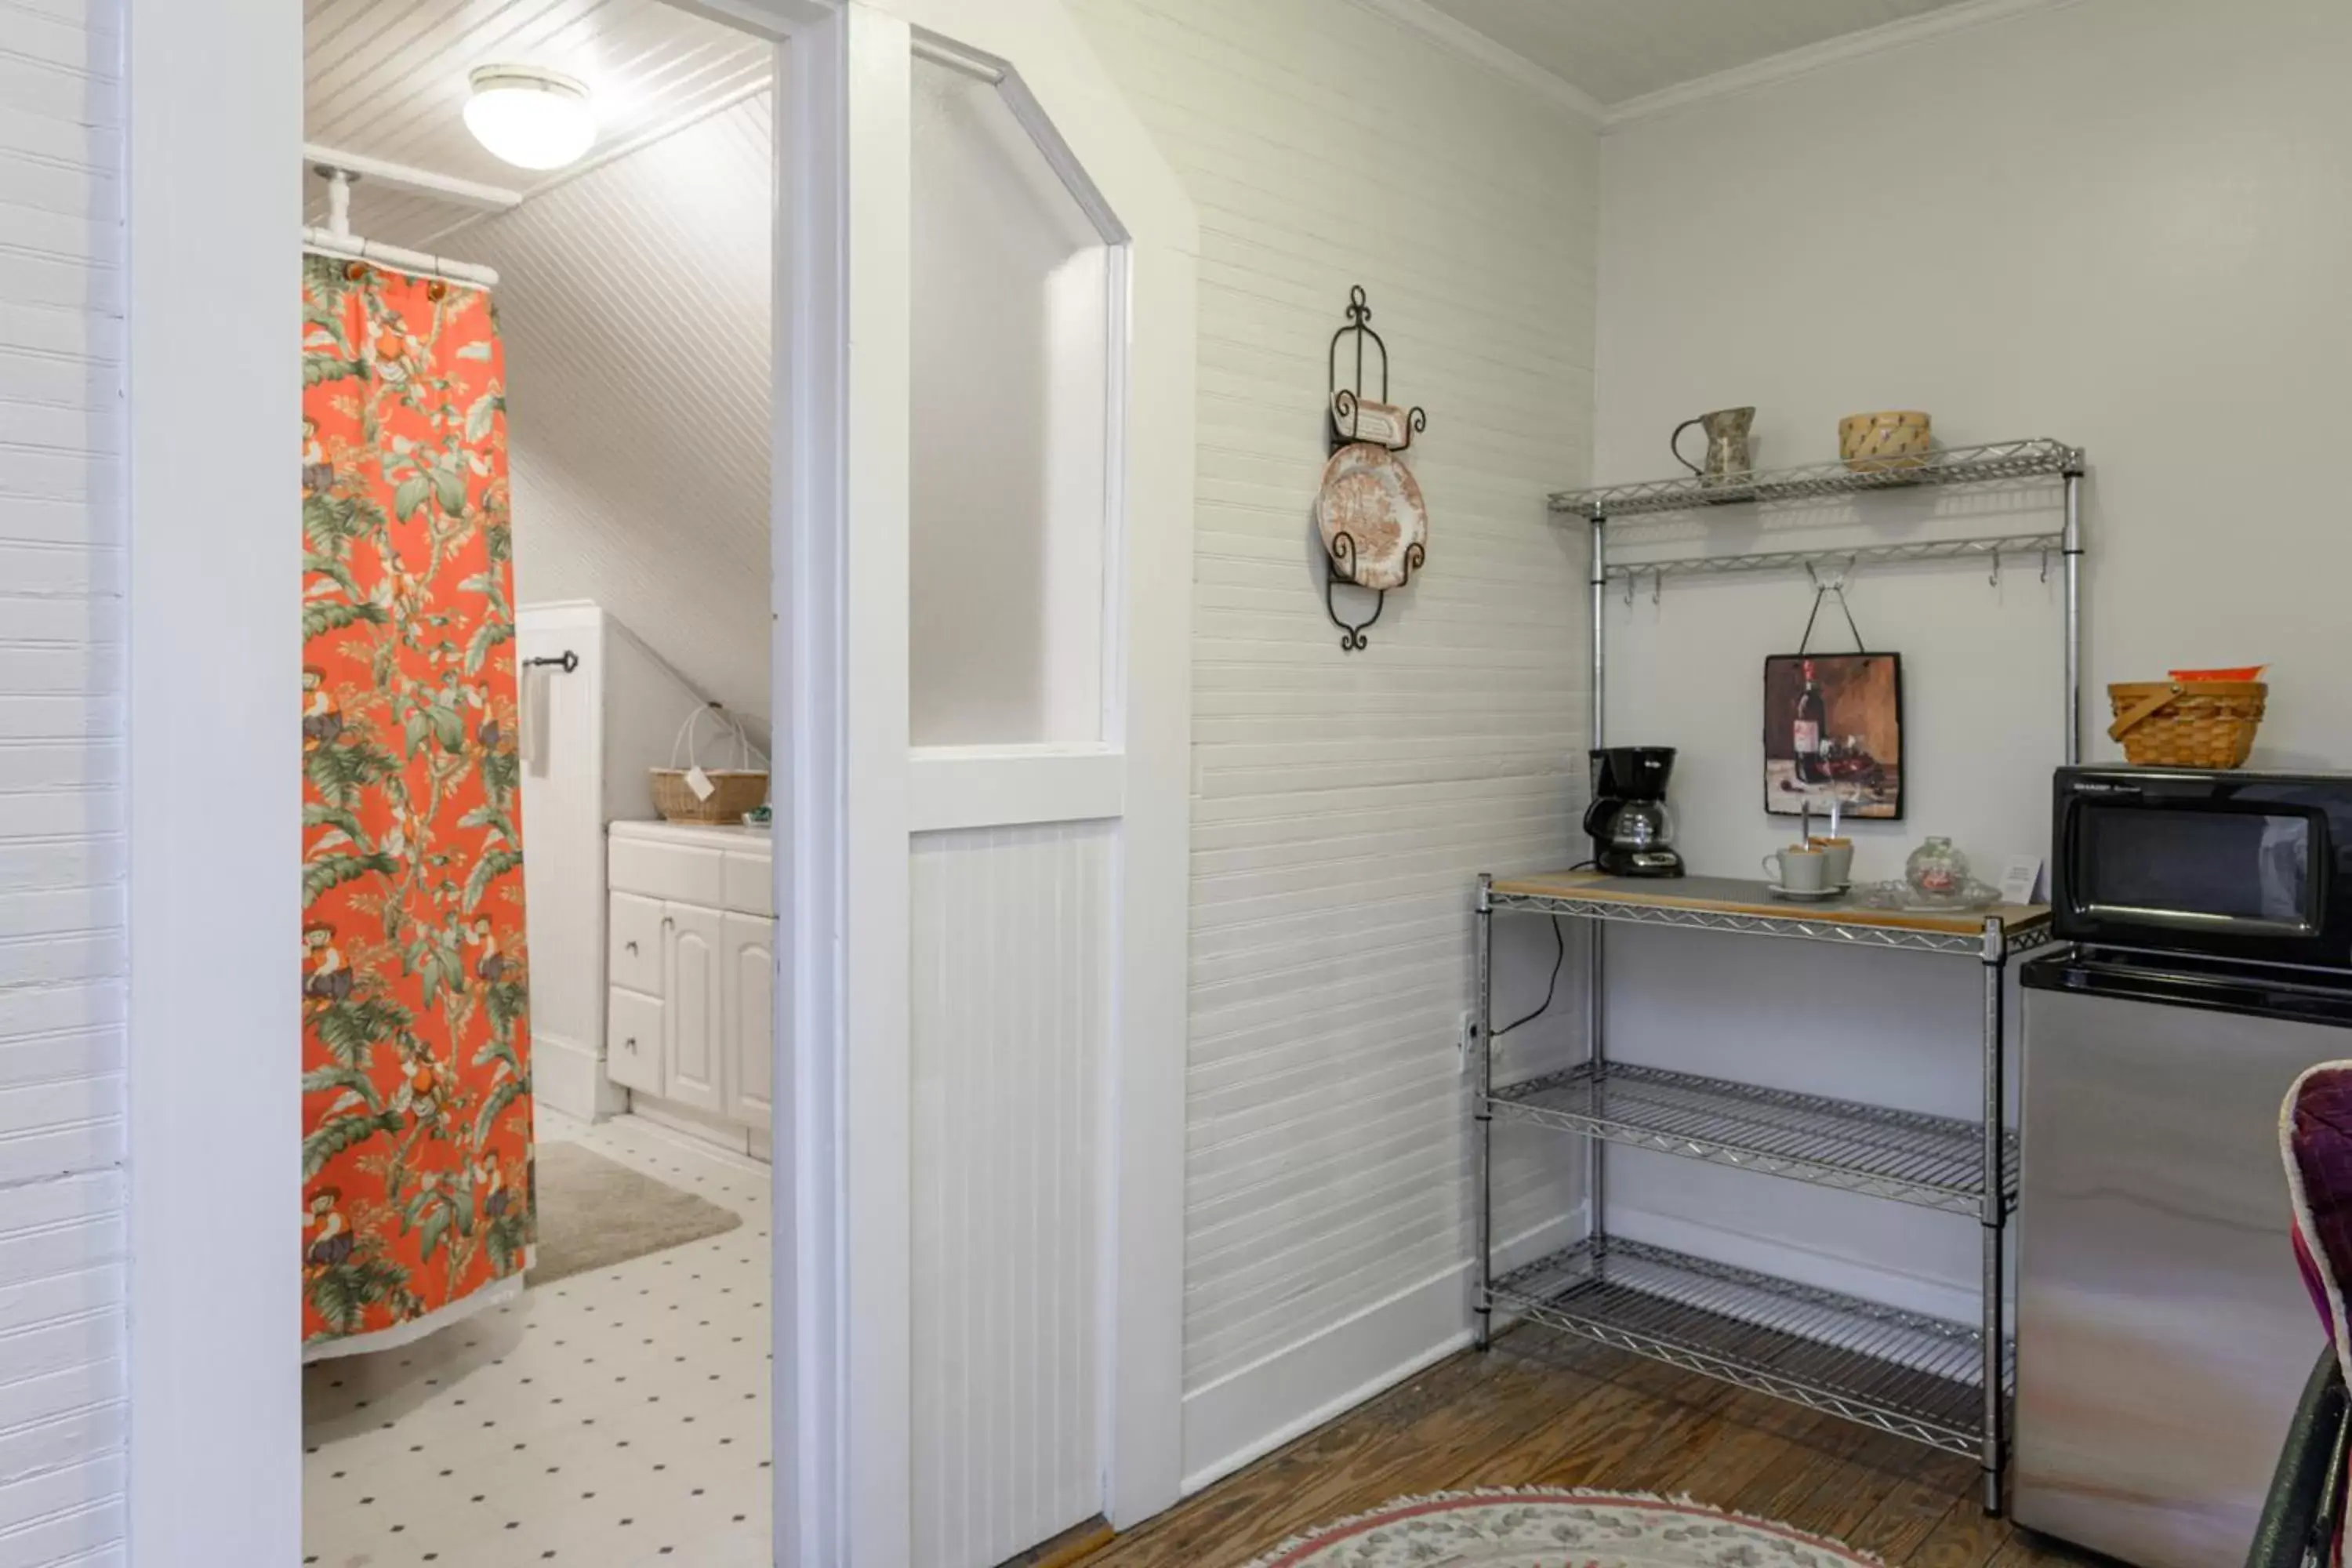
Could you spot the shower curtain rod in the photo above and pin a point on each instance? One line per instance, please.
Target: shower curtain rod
(337, 239)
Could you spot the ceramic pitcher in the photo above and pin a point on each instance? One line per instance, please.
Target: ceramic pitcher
(1726, 444)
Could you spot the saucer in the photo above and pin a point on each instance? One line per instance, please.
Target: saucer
(1808, 895)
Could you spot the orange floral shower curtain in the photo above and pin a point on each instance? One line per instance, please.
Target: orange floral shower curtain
(416, 1154)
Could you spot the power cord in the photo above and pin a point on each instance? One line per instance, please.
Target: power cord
(1559, 957)
(1551, 986)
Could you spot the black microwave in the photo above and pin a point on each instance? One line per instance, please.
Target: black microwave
(2245, 866)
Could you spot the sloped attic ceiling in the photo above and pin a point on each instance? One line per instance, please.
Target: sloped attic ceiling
(388, 79)
(635, 304)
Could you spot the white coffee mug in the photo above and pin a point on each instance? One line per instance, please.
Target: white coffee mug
(1799, 868)
(1840, 854)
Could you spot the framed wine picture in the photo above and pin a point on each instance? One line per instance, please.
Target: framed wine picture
(1834, 730)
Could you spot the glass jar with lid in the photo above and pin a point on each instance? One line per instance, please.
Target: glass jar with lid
(1936, 870)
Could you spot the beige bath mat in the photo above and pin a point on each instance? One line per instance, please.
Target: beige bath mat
(594, 1212)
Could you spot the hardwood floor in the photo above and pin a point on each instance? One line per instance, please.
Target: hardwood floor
(1543, 1409)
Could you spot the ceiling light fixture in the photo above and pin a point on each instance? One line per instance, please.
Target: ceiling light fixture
(531, 118)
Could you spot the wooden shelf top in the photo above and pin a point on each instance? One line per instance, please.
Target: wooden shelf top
(1736, 896)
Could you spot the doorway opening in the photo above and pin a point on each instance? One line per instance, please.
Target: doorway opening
(540, 952)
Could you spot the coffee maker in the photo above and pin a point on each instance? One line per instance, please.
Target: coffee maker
(1632, 832)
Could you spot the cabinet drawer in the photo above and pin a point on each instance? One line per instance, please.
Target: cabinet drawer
(636, 959)
(685, 873)
(751, 884)
(632, 1041)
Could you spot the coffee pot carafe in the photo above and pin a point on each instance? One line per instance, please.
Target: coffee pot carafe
(1727, 455)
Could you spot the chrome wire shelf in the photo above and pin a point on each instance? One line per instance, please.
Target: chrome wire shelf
(1994, 463)
(1993, 548)
(1848, 931)
(1917, 1377)
(1934, 1161)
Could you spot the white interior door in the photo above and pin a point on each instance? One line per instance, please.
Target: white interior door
(986, 643)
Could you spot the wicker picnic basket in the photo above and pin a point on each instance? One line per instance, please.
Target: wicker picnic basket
(2186, 723)
(733, 791)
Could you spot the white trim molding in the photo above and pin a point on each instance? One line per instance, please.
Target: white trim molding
(949, 787)
(1793, 63)
(213, 786)
(1467, 42)
(1250, 1411)
(807, 502)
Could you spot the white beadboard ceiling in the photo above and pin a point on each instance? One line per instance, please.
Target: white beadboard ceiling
(635, 306)
(387, 79)
(1618, 49)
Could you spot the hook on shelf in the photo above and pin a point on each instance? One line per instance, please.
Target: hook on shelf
(1657, 586)
(2045, 567)
(1629, 589)
(1995, 579)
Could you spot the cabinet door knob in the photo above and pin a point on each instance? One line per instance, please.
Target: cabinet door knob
(631, 1043)
(633, 947)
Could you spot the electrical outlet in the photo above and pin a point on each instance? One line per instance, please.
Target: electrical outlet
(1465, 1038)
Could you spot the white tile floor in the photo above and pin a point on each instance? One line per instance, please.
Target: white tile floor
(615, 1419)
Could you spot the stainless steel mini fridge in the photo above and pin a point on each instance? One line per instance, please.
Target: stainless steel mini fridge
(2163, 1332)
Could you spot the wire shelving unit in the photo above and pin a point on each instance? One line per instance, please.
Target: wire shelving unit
(1936, 1162)
(1994, 463)
(1911, 1375)
(1945, 1385)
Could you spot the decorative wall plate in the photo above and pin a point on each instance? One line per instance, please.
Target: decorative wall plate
(1371, 517)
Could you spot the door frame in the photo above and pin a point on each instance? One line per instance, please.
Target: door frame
(215, 1404)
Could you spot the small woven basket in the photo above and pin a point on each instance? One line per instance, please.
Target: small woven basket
(733, 791)
(2186, 723)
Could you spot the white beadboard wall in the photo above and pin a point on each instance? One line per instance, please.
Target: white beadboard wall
(1009, 955)
(634, 305)
(1344, 802)
(2152, 301)
(61, 746)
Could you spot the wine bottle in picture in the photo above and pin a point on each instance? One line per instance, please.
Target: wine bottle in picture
(1812, 714)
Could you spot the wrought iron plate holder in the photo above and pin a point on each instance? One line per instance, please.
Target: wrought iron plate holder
(1343, 403)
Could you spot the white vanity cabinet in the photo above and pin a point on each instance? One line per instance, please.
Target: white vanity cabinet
(692, 1008)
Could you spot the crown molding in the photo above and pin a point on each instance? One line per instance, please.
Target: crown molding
(1795, 63)
(1465, 42)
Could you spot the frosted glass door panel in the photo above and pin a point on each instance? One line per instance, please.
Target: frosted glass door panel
(1009, 431)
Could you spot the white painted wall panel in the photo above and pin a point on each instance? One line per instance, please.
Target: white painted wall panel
(1010, 957)
(634, 305)
(1343, 802)
(61, 859)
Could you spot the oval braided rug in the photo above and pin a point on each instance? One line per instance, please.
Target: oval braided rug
(1550, 1529)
